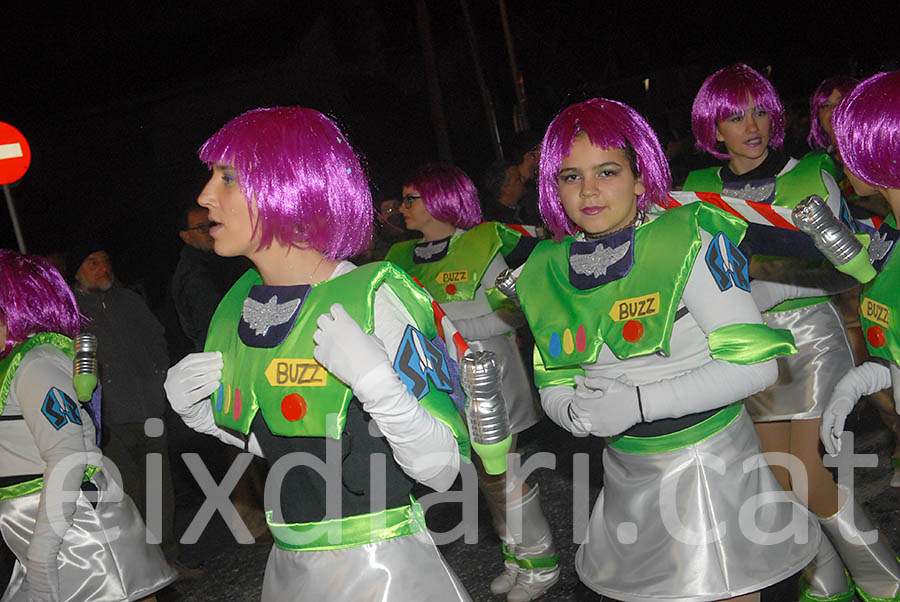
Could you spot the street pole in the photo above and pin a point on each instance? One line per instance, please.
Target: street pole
(15, 219)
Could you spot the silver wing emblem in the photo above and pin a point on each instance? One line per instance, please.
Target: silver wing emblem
(596, 263)
(879, 246)
(428, 251)
(262, 316)
(748, 192)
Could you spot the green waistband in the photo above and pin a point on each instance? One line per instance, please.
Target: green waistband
(796, 304)
(35, 485)
(679, 439)
(348, 532)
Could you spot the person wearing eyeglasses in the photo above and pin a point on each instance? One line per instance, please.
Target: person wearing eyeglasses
(201, 277)
(458, 261)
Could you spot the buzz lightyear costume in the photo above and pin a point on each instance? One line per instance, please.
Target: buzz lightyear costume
(340, 535)
(823, 348)
(875, 569)
(92, 549)
(657, 319)
(459, 272)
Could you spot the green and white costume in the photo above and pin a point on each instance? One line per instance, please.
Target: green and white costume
(668, 523)
(74, 551)
(338, 534)
(823, 348)
(459, 272)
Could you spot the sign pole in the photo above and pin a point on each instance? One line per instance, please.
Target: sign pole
(15, 219)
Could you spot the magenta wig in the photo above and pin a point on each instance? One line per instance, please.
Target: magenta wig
(34, 298)
(867, 130)
(448, 194)
(305, 178)
(818, 137)
(725, 93)
(608, 124)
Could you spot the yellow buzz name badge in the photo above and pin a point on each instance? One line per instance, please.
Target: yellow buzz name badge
(454, 276)
(292, 372)
(876, 312)
(636, 307)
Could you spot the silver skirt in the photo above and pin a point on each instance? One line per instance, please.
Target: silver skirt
(402, 569)
(521, 399)
(104, 555)
(805, 380)
(683, 525)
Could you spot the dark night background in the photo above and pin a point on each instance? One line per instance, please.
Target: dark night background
(116, 98)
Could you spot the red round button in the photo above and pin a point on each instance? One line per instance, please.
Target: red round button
(632, 331)
(876, 336)
(451, 289)
(293, 407)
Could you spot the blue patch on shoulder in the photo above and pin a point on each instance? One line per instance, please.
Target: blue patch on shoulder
(418, 359)
(59, 409)
(727, 264)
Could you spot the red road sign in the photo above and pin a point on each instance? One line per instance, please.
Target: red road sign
(15, 154)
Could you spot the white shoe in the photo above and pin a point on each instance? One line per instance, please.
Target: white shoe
(531, 584)
(506, 580)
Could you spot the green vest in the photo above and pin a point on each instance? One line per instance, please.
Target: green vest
(457, 276)
(10, 363)
(632, 315)
(879, 308)
(297, 396)
(803, 180)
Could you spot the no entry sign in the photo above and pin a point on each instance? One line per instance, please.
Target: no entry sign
(15, 155)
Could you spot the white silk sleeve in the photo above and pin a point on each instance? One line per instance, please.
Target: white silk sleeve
(59, 435)
(423, 446)
(715, 383)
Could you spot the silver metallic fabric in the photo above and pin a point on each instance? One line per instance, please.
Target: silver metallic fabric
(403, 569)
(520, 397)
(104, 555)
(825, 577)
(873, 565)
(807, 379)
(635, 551)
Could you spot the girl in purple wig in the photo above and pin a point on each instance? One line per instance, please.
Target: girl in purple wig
(737, 116)
(458, 262)
(630, 313)
(866, 129)
(821, 108)
(65, 551)
(307, 350)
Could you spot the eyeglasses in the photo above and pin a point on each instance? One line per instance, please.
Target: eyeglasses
(410, 200)
(202, 227)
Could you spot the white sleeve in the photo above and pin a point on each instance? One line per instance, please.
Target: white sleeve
(43, 388)
(715, 383)
(423, 446)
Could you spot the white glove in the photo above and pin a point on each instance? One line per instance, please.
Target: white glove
(423, 447)
(606, 406)
(189, 383)
(193, 380)
(861, 380)
(557, 404)
(345, 350)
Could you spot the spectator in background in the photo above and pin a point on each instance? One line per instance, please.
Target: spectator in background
(133, 361)
(201, 277)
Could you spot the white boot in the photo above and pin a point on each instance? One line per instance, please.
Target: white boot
(874, 565)
(533, 550)
(825, 577)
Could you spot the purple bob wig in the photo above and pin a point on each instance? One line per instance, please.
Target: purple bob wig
(818, 137)
(305, 178)
(867, 130)
(607, 124)
(726, 93)
(34, 298)
(448, 194)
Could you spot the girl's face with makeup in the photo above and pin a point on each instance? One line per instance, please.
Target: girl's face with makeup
(597, 187)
